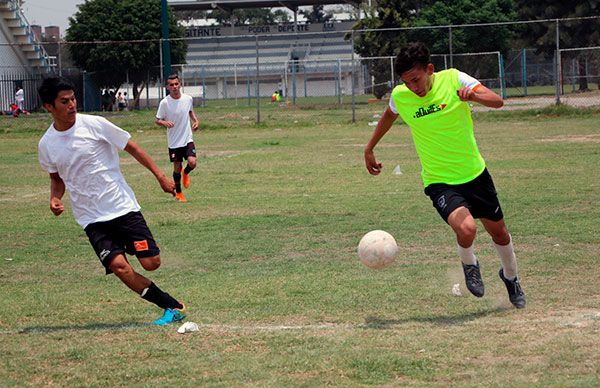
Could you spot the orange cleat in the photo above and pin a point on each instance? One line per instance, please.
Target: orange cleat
(185, 179)
(180, 197)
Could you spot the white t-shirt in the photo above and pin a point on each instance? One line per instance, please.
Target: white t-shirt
(177, 111)
(463, 78)
(19, 95)
(87, 159)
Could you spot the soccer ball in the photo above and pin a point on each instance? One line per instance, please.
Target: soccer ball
(377, 249)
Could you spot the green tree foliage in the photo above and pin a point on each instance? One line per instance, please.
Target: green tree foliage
(109, 64)
(386, 14)
(573, 34)
(394, 14)
(469, 39)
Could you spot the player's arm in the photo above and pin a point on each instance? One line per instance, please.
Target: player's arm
(164, 123)
(194, 120)
(145, 160)
(481, 95)
(384, 125)
(57, 190)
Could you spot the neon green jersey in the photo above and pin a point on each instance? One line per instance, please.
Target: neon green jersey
(442, 130)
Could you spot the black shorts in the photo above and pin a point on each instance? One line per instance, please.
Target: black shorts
(478, 195)
(126, 234)
(182, 153)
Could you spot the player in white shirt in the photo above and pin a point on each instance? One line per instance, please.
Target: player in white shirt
(174, 113)
(80, 152)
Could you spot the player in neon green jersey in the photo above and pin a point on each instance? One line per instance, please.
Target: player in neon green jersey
(435, 107)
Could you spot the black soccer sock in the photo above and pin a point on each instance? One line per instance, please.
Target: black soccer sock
(187, 169)
(160, 298)
(177, 179)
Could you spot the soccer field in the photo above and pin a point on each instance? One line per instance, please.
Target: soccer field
(264, 256)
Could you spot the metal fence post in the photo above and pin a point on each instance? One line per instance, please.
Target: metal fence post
(558, 67)
(352, 83)
(248, 84)
(392, 71)
(450, 45)
(257, 85)
(59, 59)
(524, 71)
(502, 76)
(235, 84)
(305, 81)
(203, 86)
(339, 81)
(294, 64)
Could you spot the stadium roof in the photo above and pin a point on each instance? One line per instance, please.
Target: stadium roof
(186, 5)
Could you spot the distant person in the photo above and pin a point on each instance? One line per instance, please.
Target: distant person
(276, 97)
(435, 107)
(126, 101)
(20, 98)
(106, 101)
(80, 152)
(175, 112)
(121, 102)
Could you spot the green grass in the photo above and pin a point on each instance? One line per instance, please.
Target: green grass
(264, 255)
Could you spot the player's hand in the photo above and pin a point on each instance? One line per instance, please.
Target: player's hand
(56, 206)
(195, 125)
(168, 185)
(373, 167)
(168, 124)
(465, 94)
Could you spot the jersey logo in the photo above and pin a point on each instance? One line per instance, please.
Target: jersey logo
(433, 108)
(140, 245)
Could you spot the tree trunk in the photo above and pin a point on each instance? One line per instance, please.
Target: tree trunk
(137, 93)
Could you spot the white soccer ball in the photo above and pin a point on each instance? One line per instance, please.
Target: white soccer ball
(377, 249)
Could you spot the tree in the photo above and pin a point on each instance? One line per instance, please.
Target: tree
(386, 14)
(573, 34)
(467, 39)
(316, 14)
(121, 22)
(251, 16)
(391, 14)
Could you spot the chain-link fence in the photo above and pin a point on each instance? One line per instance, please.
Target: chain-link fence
(318, 65)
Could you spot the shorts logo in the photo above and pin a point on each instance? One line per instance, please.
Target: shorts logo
(442, 202)
(173, 155)
(103, 254)
(140, 245)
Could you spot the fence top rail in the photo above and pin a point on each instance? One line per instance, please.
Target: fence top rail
(580, 48)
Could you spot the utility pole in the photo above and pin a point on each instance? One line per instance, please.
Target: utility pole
(166, 45)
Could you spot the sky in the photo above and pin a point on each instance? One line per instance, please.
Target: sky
(51, 13)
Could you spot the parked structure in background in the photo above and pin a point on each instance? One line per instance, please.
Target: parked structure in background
(23, 58)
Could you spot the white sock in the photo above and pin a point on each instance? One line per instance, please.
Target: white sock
(508, 258)
(466, 255)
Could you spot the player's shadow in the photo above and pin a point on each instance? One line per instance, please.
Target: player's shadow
(442, 320)
(85, 327)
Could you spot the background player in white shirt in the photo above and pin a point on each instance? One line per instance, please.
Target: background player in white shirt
(174, 113)
(80, 152)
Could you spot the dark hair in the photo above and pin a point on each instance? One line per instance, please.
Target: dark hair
(51, 87)
(172, 77)
(412, 55)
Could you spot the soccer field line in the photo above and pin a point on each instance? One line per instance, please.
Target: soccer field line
(201, 326)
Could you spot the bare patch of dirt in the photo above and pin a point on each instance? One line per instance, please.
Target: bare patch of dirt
(573, 139)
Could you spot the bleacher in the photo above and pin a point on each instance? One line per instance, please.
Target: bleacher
(238, 47)
(222, 59)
